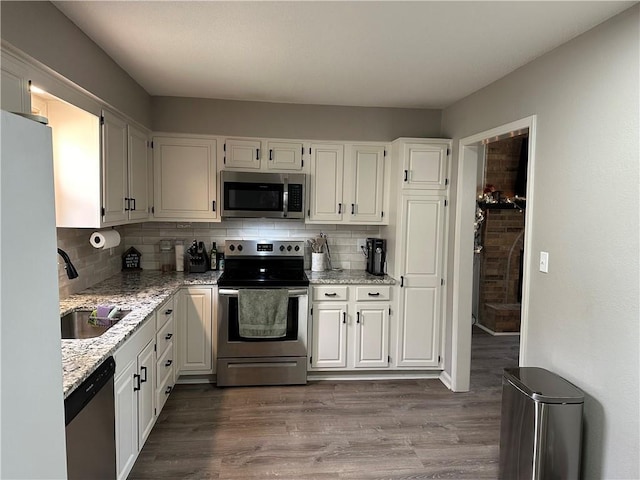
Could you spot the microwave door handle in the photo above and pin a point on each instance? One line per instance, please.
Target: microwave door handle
(285, 198)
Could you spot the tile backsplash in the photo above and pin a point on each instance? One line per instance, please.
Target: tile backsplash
(343, 239)
(93, 265)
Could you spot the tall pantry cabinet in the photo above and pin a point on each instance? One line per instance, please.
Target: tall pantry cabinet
(417, 247)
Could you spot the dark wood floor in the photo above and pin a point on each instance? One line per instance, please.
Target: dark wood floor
(335, 430)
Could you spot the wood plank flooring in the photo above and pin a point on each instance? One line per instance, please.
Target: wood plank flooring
(410, 429)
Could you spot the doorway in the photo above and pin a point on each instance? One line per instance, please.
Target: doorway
(471, 152)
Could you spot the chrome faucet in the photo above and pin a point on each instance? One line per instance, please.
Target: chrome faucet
(68, 266)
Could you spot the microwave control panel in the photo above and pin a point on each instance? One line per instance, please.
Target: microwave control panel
(295, 197)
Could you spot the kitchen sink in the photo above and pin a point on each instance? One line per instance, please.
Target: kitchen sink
(77, 324)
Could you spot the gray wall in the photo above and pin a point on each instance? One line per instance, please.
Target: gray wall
(319, 122)
(583, 314)
(41, 31)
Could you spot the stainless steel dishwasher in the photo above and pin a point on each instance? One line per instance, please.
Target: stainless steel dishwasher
(89, 414)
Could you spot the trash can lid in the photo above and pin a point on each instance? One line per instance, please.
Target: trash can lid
(543, 386)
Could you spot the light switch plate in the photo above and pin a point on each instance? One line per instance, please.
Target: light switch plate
(544, 262)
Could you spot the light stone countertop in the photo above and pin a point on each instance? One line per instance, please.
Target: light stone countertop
(143, 293)
(348, 277)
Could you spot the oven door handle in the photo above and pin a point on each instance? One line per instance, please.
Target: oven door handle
(229, 292)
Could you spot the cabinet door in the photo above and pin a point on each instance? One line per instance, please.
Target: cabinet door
(284, 156)
(126, 410)
(184, 178)
(425, 167)
(138, 156)
(372, 336)
(195, 330)
(14, 96)
(329, 335)
(242, 154)
(147, 392)
(326, 180)
(422, 224)
(365, 184)
(114, 169)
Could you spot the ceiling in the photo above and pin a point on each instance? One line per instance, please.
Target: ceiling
(386, 54)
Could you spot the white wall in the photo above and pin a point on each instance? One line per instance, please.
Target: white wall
(583, 315)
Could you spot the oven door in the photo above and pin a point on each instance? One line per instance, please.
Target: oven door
(232, 345)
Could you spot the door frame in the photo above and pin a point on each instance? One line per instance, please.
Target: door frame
(469, 150)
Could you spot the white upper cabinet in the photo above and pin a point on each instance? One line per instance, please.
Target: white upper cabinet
(325, 184)
(114, 144)
(98, 166)
(262, 154)
(15, 85)
(347, 184)
(242, 154)
(185, 185)
(425, 165)
(364, 183)
(138, 161)
(284, 156)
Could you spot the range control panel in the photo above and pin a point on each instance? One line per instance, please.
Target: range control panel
(263, 248)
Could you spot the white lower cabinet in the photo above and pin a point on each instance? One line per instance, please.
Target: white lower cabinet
(145, 369)
(134, 388)
(195, 331)
(350, 327)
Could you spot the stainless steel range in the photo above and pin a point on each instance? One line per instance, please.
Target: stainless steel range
(262, 314)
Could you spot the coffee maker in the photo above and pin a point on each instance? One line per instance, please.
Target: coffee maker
(376, 254)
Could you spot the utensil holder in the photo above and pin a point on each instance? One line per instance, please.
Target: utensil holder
(317, 262)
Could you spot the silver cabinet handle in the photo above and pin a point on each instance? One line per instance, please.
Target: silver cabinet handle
(330, 294)
(377, 294)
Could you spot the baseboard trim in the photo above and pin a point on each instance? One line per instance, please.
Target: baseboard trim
(445, 378)
(354, 376)
(496, 334)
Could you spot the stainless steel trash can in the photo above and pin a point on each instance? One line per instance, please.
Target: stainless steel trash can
(541, 426)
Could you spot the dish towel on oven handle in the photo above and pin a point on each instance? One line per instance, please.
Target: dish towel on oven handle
(262, 313)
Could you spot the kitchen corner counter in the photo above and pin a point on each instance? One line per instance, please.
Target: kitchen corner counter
(347, 277)
(141, 292)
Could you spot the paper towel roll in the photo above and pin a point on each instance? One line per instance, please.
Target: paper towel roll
(105, 239)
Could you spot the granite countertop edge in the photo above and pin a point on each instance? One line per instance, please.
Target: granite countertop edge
(143, 293)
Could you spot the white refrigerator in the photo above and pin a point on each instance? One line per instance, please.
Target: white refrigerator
(32, 442)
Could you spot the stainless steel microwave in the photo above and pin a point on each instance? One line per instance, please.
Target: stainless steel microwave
(262, 195)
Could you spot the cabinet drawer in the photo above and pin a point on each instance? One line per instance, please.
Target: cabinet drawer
(164, 314)
(330, 293)
(165, 366)
(162, 393)
(165, 336)
(374, 292)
